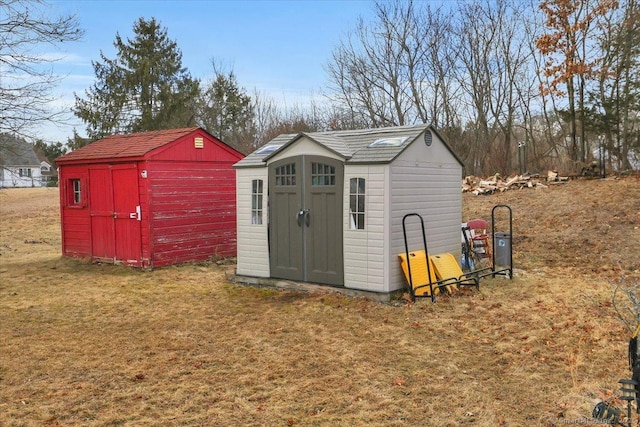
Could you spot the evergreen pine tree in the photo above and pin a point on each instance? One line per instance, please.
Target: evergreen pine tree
(144, 88)
(226, 112)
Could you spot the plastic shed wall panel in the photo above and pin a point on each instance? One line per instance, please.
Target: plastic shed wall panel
(364, 249)
(425, 180)
(253, 245)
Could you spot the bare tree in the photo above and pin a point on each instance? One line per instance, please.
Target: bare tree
(543, 128)
(225, 110)
(570, 61)
(440, 59)
(265, 115)
(490, 74)
(412, 64)
(617, 96)
(271, 119)
(376, 71)
(396, 70)
(26, 76)
(512, 58)
(476, 36)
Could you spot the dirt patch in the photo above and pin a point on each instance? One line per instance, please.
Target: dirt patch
(83, 344)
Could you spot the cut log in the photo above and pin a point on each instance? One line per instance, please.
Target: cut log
(495, 183)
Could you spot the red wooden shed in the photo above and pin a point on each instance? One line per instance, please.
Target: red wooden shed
(149, 199)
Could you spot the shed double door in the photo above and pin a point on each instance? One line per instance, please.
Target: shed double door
(305, 219)
(115, 214)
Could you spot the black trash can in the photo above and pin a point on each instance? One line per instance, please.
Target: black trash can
(502, 249)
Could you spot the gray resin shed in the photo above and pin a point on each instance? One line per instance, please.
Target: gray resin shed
(327, 207)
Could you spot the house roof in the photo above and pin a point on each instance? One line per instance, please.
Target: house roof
(17, 152)
(352, 145)
(40, 155)
(125, 146)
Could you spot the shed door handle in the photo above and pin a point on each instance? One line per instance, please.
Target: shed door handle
(302, 214)
(136, 214)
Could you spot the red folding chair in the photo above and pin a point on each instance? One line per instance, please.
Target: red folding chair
(480, 241)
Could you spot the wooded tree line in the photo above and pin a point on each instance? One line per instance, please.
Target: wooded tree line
(557, 78)
(551, 77)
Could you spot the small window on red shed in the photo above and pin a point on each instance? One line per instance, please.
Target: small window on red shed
(75, 192)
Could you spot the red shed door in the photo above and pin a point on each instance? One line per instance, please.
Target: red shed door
(115, 214)
(101, 208)
(126, 208)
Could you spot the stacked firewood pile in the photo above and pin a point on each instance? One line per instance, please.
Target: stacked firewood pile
(496, 183)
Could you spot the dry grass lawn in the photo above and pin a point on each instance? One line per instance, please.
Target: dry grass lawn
(83, 344)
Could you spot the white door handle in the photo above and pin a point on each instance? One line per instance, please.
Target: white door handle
(137, 214)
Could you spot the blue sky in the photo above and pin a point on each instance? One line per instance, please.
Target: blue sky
(279, 48)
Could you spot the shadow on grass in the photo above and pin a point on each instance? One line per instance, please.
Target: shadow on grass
(59, 264)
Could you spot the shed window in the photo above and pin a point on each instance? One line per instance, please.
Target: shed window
(286, 175)
(24, 172)
(356, 203)
(322, 174)
(74, 192)
(256, 201)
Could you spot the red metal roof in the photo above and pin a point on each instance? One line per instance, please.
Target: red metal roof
(131, 145)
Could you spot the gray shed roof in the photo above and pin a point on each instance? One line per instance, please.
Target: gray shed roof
(351, 145)
(17, 152)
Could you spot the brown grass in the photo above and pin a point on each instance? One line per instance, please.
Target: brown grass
(100, 345)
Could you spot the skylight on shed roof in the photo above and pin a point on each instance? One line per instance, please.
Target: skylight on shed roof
(269, 148)
(389, 142)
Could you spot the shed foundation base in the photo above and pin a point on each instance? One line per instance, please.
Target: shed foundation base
(306, 287)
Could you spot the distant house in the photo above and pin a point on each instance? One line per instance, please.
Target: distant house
(19, 163)
(48, 170)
